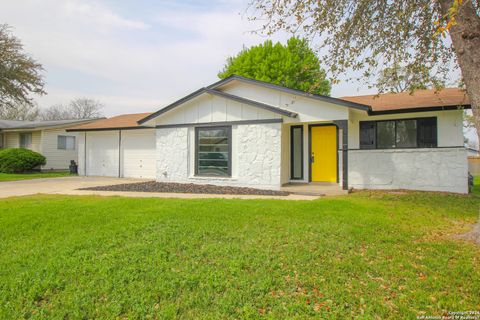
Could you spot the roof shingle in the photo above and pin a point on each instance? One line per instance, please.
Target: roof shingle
(123, 121)
(447, 97)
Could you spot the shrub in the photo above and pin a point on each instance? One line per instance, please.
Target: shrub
(19, 160)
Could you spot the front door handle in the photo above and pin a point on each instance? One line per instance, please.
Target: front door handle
(312, 158)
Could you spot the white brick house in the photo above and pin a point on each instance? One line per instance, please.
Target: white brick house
(243, 132)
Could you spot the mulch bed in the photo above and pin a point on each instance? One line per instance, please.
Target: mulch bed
(171, 187)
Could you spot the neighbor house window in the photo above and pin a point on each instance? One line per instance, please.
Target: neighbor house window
(25, 140)
(402, 133)
(66, 143)
(213, 151)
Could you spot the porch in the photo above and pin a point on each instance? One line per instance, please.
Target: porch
(314, 158)
(315, 189)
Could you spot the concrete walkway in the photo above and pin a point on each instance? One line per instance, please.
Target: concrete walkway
(70, 186)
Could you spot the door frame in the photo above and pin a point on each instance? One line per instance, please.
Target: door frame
(310, 126)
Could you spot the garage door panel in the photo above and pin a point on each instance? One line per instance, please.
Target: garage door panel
(138, 153)
(102, 154)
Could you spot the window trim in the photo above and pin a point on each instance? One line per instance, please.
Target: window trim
(301, 153)
(229, 135)
(66, 137)
(20, 140)
(395, 120)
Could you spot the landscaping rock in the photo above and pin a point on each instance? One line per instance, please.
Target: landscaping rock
(171, 187)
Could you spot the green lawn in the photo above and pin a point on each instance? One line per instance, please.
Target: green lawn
(369, 255)
(28, 176)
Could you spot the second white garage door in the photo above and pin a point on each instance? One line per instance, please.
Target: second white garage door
(138, 153)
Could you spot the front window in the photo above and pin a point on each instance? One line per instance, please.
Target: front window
(213, 151)
(66, 143)
(402, 133)
(25, 140)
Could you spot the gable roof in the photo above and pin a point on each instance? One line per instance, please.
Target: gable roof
(18, 124)
(123, 121)
(338, 101)
(212, 91)
(420, 100)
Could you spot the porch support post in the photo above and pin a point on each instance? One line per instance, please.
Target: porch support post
(343, 124)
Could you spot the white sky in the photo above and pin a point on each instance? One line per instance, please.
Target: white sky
(134, 56)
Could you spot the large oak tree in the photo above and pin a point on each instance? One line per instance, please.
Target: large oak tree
(368, 36)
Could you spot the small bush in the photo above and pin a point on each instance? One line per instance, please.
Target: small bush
(19, 160)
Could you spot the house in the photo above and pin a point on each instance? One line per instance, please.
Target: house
(244, 132)
(48, 138)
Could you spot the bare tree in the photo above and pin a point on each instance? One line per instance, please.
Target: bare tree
(85, 108)
(55, 112)
(79, 108)
(21, 111)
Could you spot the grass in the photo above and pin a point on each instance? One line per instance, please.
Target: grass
(369, 255)
(34, 175)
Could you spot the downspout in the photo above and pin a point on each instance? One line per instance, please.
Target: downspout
(119, 152)
(85, 156)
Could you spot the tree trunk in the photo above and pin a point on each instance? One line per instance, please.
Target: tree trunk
(465, 37)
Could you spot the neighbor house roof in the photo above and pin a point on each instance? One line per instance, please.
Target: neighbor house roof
(420, 100)
(124, 121)
(17, 124)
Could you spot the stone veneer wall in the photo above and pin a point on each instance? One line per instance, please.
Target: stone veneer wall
(438, 169)
(256, 156)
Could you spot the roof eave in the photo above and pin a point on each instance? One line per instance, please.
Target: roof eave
(420, 109)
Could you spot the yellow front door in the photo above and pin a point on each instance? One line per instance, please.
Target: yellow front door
(324, 153)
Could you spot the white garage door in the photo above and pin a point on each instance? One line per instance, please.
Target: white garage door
(102, 153)
(138, 153)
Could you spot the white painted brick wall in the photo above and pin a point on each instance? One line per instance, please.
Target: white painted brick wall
(256, 156)
(439, 169)
(172, 154)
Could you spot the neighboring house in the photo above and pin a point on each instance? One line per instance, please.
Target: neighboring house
(243, 132)
(46, 137)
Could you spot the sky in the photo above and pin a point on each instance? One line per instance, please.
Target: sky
(134, 56)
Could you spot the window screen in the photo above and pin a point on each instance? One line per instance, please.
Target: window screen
(386, 134)
(406, 134)
(367, 135)
(213, 156)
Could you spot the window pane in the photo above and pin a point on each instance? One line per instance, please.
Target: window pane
(406, 134)
(427, 132)
(297, 157)
(385, 134)
(25, 140)
(367, 135)
(70, 143)
(213, 152)
(61, 142)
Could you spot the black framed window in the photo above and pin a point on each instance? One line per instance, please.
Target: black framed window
(213, 151)
(400, 133)
(296, 152)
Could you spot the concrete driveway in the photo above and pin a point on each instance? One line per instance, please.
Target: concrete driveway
(63, 185)
(70, 186)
